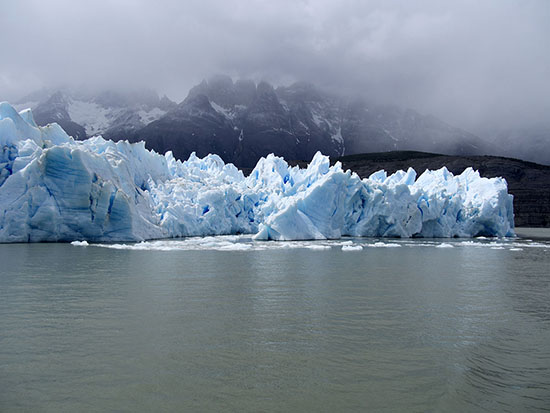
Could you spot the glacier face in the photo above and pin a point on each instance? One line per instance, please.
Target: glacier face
(53, 188)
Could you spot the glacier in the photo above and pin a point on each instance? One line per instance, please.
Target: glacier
(53, 188)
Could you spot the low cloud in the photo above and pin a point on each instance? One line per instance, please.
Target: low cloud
(471, 63)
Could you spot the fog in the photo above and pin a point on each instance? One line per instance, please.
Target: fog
(470, 63)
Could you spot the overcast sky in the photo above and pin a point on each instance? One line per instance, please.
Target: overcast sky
(468, 62)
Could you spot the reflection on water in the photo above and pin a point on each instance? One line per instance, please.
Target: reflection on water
(228, 324)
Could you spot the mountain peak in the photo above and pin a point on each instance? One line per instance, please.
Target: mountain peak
(242, 121)
(83, 113)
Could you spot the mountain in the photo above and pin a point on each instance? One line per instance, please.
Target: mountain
(108, 113)
(56, 109)
(531, 142)
(242, 121)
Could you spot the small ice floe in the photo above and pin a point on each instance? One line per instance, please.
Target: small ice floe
(318, 247)
(384, 245)
(234, 247)
(418, 244)
(472, 244)
(516, 249)
(80, 243)
(444, 245)
(536, 245)
(352, 248)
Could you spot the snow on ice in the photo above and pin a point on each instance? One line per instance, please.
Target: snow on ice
(53, 188)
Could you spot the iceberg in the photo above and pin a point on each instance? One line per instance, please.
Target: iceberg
(53, 188)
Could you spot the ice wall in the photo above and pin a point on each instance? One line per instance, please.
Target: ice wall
(53, 188)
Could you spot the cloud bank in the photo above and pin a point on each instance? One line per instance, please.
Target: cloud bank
(468, 62)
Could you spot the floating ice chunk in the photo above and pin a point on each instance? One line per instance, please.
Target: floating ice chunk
(444, 245)
(384, 245)
(352, 248)
(235, 247)
(80, 243)
(318, 247)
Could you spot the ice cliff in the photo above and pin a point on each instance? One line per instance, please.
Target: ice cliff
(53, 188)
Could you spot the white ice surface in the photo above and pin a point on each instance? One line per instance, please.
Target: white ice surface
(53, 188)
(80, 243)
(352, 248)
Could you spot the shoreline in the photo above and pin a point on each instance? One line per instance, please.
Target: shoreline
(532, 232)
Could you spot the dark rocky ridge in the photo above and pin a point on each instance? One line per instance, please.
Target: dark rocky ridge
(242, 121)
(122, 110)
(54, 109)
(252, 120)
(528, 182)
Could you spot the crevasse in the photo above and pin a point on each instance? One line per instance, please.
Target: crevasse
(53, 188)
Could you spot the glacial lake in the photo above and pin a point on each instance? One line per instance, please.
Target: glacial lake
(229, 324)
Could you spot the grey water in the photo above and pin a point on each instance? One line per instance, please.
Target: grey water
(228, 324)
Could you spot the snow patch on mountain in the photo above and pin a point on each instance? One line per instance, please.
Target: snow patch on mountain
(148, 116)
(95, 118)
(337, 137)
(222, 111)
(317, 118)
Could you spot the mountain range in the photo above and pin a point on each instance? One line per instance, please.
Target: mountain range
(243, 120)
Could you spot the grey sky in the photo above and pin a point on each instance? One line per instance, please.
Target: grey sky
(468, 62)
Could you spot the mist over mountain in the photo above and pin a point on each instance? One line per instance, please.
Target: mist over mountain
(483, 67)
(243, 121)
(530, 143)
